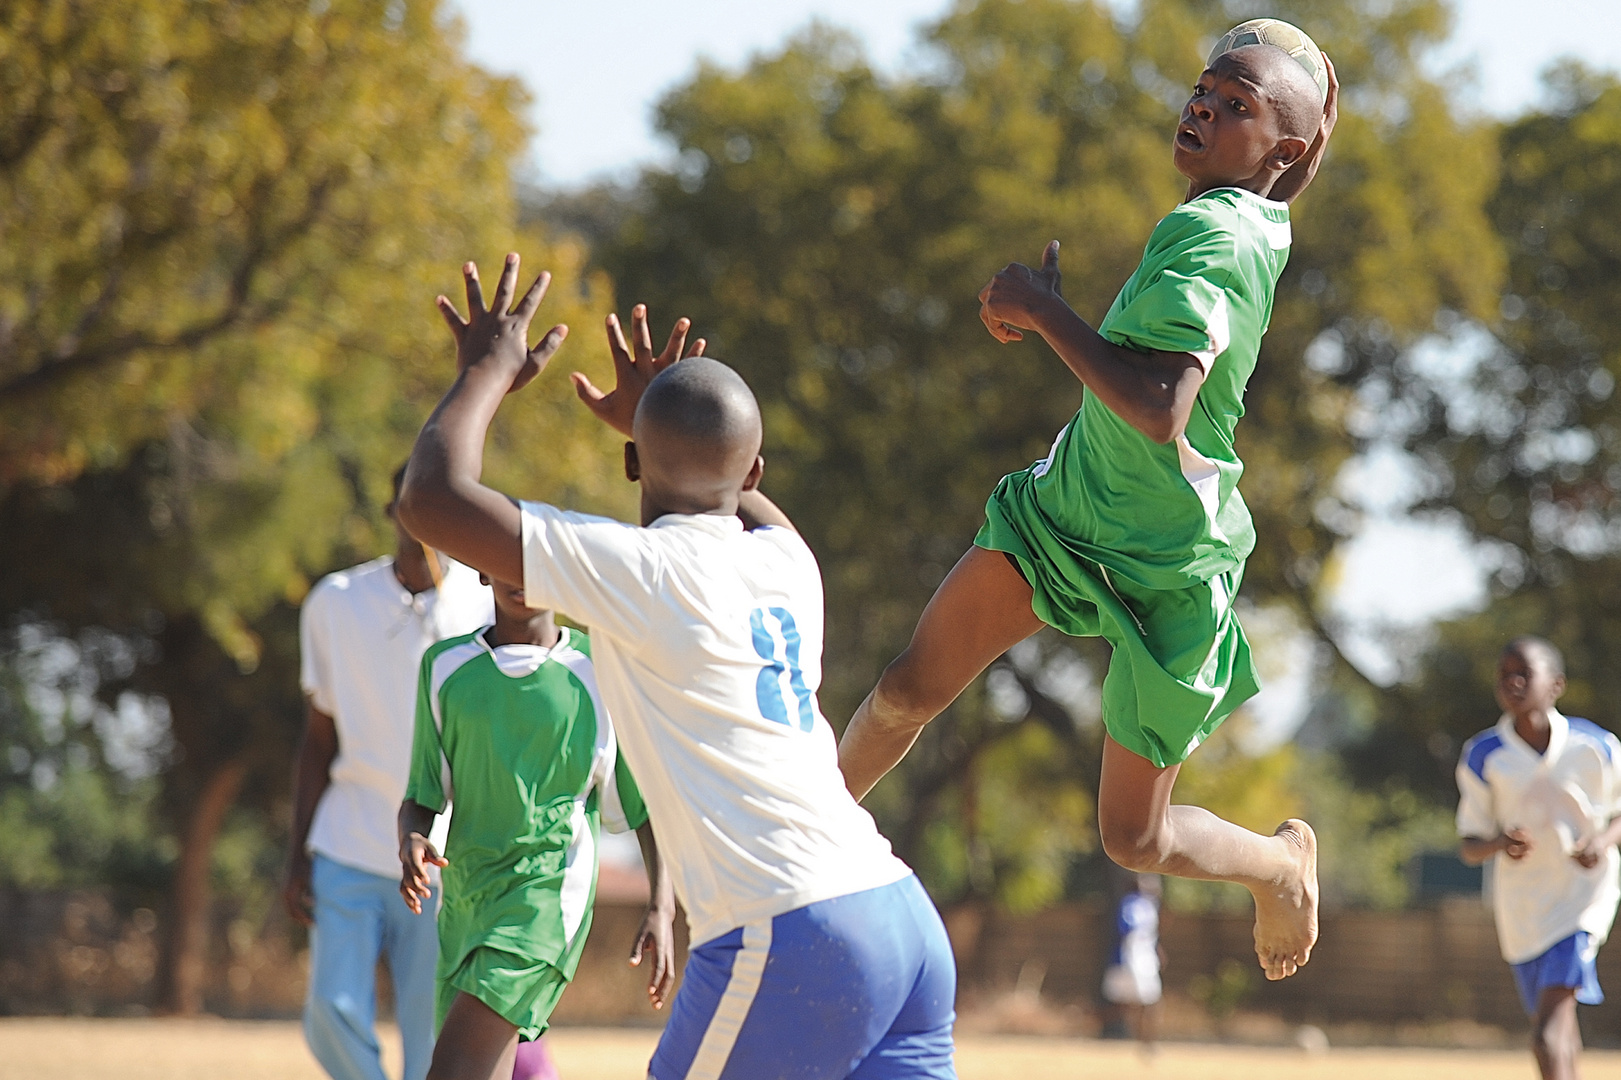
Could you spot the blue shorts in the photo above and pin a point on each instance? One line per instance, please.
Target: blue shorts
(1569, 963)
(862, 986)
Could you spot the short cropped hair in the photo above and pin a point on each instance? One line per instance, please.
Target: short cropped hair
(1527, 643)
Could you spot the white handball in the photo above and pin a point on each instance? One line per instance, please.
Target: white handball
(1286, 36)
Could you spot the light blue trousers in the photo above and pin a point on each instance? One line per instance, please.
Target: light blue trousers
(358, 917)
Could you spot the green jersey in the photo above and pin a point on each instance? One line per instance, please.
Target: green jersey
(517, 737)
(1170, 516)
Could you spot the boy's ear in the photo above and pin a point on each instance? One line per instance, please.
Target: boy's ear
(483, 578)
(1558, 687)
(1286, 154)
(633, 464)
(757, 470)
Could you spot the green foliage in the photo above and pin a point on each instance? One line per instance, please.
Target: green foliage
(72, 818)
(1223, 992)
(225, 225)
(1522, 444)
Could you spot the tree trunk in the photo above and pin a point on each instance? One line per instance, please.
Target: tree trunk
(186, 967)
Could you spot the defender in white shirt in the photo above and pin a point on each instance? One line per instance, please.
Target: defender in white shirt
(816, 952)
(1540, 795)
(362, 635)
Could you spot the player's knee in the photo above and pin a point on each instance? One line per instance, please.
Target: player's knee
(1135, 845)
(1552, 1040)
(904, 696)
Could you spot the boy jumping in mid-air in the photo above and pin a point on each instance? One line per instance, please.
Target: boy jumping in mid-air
(509, 725)
(816, 953)
(1132, 527)
(1545, 791)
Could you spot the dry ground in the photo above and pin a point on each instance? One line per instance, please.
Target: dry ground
(261, 1050)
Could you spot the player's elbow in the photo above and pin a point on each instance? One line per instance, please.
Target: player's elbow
(409, 506)
(1163, 428)
(1160, 419)
(421, 508)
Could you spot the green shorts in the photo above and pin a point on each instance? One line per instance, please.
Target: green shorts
(1181, 663)
(521, 990)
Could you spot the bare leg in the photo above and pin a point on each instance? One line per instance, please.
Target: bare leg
(1148, 1026)
(1556, 1037)
(476, 1043)
(980, 610)
(1142, 831)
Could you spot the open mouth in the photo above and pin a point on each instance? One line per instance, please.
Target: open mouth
(1188, 139)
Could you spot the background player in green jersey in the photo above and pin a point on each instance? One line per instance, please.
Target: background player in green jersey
(1132, 527)
(509, 725)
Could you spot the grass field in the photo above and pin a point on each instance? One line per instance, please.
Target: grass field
(274, 1050)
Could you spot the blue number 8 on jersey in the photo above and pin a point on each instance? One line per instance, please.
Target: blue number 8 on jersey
(776, 639)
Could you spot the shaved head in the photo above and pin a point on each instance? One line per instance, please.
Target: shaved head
(697, 436)
(1293, 93)
(704, 402)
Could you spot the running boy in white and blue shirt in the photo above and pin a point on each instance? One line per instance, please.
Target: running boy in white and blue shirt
(1543, 791)
(817, 954)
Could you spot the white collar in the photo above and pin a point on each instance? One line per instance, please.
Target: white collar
(1247, 194)
(722, 525)
(1558, 736)
(519, 660)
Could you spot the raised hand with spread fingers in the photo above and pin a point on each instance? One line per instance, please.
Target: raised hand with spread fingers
(499, 334)
(634, 367)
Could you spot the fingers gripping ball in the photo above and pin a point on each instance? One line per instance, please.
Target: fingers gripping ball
(1286, 36)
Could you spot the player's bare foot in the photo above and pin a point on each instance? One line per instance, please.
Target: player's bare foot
(1286, 915)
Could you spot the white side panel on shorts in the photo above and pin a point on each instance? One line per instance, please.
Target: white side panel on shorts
(733, 1007)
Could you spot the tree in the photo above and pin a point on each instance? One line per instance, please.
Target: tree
(827, 229)
(225, 224)
(1518, 434)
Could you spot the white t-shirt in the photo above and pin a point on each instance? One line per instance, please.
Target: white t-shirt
(362, 635)
(707, 641)
(1561, 798)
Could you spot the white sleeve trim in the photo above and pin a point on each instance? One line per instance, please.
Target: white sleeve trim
(445, 665)
(1218, 332)
(1475, 816)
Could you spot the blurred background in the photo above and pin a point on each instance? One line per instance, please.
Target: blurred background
(222, 226)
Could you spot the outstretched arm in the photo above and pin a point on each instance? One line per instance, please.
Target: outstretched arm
(443, 502)
(1154, 392)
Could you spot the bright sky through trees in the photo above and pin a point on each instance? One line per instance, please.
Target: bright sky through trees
(597, 69)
